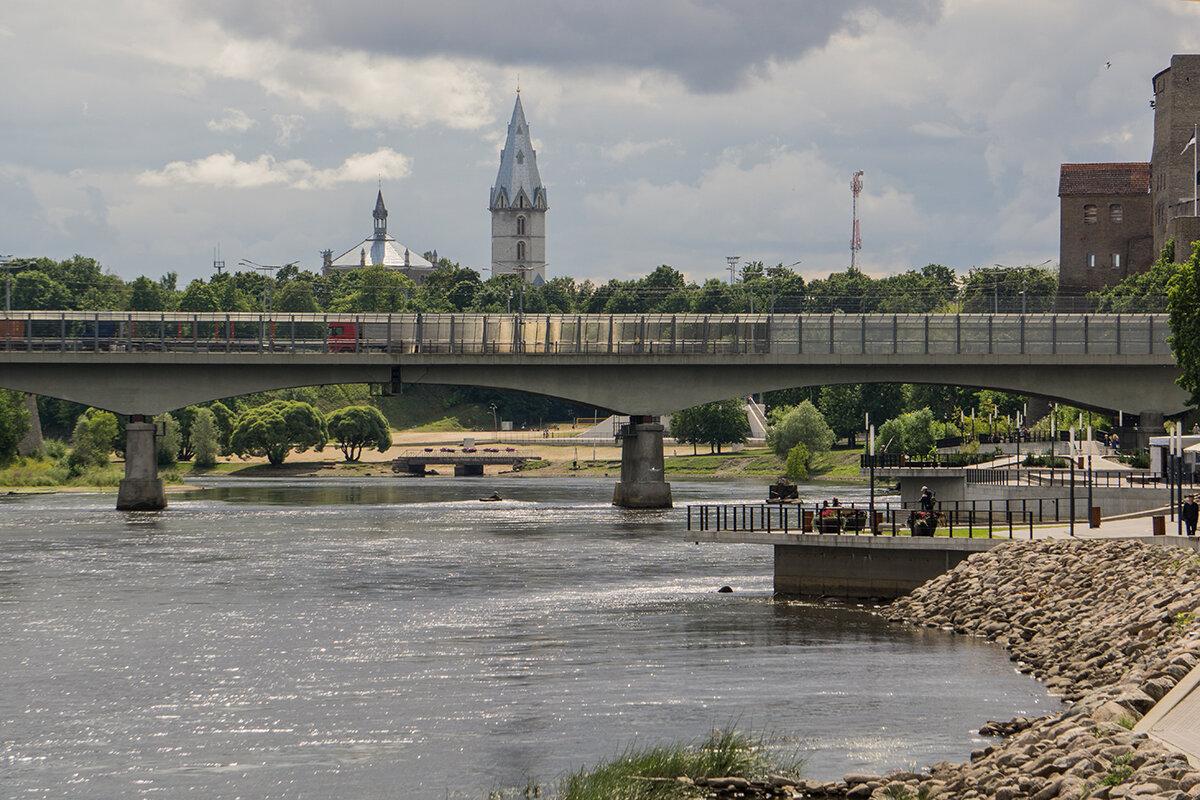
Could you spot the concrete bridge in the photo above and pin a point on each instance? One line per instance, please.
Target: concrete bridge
(142, 363)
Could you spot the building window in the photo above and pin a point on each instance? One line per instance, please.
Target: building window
(1091, 260)
(1089, 214)
(1116, 214)
(1116, 260)
(520, 251)
(520, 226)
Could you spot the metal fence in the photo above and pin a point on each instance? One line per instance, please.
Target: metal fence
(621, 334)
(970, 518)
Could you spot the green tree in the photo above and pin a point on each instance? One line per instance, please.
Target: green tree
(35, 290)
(841, 405)
(145, 295)
(1183, 303)
(275, 429)
(802, 424)
(714, 424)
(798, 462)
(205, 438)
(226, 419)
(14, 423)
(1007, 289)
(1142, 292)
(168, 443)
(357, 427)
(296, 297)
(914, 433)
(92, 441)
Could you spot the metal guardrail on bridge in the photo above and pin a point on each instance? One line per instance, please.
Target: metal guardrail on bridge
(1134, 335)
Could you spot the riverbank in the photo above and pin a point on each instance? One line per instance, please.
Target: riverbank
(545, 461)
(1110, 626)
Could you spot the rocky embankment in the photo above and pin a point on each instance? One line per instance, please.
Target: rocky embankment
(1110, 626)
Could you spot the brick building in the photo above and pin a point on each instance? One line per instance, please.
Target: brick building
(1104, 226)
(1115, 218)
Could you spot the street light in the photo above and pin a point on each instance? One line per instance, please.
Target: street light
(495, 419)
(269, 284)
(733, 262)
(8, 264)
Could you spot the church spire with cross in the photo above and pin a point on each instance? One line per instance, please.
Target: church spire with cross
(518, 205)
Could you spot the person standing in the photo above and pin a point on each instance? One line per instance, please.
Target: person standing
(1189, 512)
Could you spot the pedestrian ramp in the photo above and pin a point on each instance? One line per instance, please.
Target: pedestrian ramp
(1175, 719)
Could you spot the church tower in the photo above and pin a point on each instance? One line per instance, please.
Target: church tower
(518, 205)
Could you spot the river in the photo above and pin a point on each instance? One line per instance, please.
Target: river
(400, 639)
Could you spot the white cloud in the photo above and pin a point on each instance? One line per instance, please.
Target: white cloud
(234, 121)
(624, 150)
(225, 171)
(287, 125)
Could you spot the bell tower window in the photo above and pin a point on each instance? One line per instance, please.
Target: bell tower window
(520, 251)
(520, 226)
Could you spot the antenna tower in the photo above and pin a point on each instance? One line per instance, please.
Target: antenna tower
(218, 262)
(855, 238)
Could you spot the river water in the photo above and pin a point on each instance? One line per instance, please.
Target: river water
(400, 639)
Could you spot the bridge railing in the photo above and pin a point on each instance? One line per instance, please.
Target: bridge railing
(584, 334)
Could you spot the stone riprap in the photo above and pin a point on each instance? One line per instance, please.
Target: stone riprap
(1108, 625)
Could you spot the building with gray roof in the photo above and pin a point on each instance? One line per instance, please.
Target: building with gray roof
(380, 248)
(518, 205)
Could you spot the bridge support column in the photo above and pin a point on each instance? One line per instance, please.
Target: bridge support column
(141, 489)
(1150, 423)
(643, 483)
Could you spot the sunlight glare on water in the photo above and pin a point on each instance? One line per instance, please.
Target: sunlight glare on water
(365, 638)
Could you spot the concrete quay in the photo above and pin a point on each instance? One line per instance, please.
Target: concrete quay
(865, 567)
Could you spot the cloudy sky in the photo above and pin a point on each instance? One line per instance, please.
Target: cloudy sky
(145, 133)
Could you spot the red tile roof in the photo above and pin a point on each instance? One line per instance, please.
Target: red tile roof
(1104, 179)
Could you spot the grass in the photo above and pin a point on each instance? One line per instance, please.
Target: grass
(650, 773)
(1183, 622)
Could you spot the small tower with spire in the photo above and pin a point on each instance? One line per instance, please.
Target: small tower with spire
(380, 216)
(518, 205)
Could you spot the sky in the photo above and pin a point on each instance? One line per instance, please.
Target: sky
(148, 133)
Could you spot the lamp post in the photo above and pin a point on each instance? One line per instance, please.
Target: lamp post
(269, 284)
(495, 420)
(8, 265)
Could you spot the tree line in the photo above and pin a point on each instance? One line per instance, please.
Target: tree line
(81, 283)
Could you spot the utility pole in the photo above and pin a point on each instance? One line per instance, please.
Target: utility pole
(856, 185)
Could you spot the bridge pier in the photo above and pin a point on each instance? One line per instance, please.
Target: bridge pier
(643, 483)
(1150, 423)
(141, 489)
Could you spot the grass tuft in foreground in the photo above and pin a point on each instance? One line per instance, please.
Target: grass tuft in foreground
(651, 773)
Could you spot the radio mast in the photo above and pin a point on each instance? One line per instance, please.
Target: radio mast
(855, 238)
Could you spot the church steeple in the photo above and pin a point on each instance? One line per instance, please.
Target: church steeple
(518, 168)
(380, 216)
(518, 204)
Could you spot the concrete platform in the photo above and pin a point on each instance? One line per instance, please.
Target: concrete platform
(1175, 719)
(866, 567)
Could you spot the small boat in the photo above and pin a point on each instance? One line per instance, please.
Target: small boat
(492, 498)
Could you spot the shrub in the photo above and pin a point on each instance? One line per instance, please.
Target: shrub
(798, 462)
